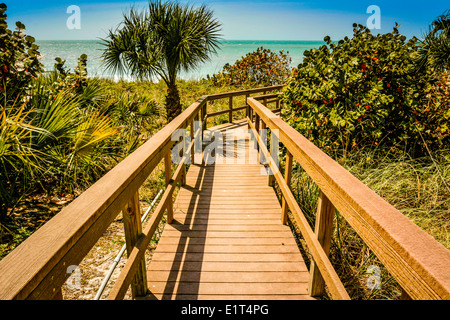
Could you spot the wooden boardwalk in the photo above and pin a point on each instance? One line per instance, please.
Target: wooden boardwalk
(226, 240)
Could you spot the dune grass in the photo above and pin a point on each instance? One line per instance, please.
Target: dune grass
(419, 188)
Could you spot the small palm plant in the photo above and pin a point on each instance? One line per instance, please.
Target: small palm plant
(160, 42)
(434, 49)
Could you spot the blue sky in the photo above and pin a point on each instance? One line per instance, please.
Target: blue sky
(241, 20)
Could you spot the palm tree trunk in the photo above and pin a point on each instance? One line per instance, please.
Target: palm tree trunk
(173, 105)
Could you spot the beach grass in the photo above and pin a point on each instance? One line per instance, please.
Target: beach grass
(419, 188)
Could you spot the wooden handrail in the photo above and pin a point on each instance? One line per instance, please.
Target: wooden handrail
(418, 262)
(213, 97)
(37, 268)
(126, 275)
(331, 278)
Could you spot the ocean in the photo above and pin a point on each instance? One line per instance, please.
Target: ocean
(229, 52)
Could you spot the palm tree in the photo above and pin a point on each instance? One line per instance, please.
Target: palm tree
(434, 49)
(160, 42)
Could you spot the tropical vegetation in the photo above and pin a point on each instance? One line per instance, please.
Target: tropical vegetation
(434, 49)
(263, 67)
(380, 106)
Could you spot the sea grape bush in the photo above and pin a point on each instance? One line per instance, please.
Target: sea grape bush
(76, 80)
(366, 91)
(261, 67)
(19, 58)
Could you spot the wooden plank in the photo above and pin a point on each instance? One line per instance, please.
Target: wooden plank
(227, 234)
(231, 211)
(200, 248)
(223, 201)
(231, 220)
(226, 195)
(219, 266)
(246, 207)
(227, 288)
(227, 228)
(227, 257)
(229, 276)
(273, 241)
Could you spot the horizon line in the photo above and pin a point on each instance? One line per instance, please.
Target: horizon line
(222, 40)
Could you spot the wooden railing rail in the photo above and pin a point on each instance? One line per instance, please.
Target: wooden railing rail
(419, 263)
(136, 256)
(319, 255)
(230, 95)
(38, 267)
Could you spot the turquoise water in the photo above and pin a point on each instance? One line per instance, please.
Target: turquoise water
(229, 52)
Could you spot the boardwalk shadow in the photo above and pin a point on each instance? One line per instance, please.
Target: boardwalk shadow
(184, 276)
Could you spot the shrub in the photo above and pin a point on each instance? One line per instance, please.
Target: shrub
(19, 62)
(261, 67)
(365, 92)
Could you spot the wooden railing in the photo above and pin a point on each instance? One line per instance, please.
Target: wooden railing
(39, 266)
(419, 263)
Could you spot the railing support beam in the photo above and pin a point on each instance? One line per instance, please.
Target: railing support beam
(133, 230)
(230, 112)
(168, 174)
(287, 178)
(323, 231)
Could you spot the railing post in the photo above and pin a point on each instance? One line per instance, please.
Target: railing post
(323, 231)
(257, 132)
(133, 230)
(58, 295)
(264, 137)
(287, 178)
(247, 107)
(168, 173)
(204, 118)
(192, 139)
(230, 113)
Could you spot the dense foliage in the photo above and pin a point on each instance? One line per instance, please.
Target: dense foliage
(19, 63)
(434, 49)
(59, 130)
(261, 67)
(365, 91)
